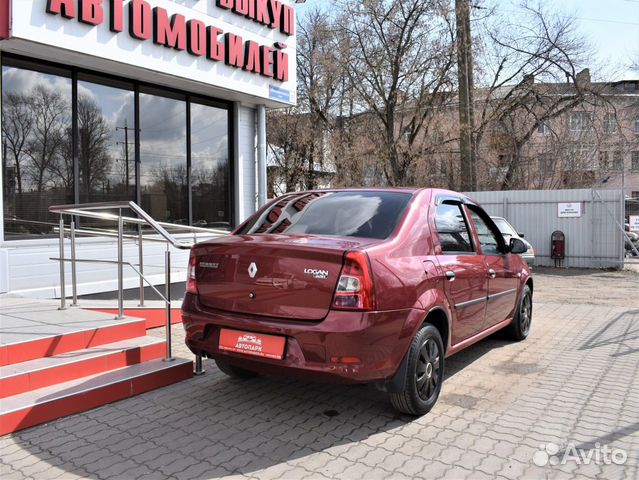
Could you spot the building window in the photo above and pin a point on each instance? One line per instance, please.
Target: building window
(176, 160)
(106, 146)
(210, 166)
(37, 149)
(635, 161)
(544, 129)
(578, 121)
(610, 123)
(163, 165)
(617, 160)
(546, 164)
(604, 162)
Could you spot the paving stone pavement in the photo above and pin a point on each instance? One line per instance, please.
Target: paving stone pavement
(574, 383)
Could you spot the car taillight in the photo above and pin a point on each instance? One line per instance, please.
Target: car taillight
(355, 285)
(191, 280)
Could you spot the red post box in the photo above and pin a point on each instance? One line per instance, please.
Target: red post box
(558, 246)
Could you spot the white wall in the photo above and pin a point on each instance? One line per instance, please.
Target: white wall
(34, 32)
(248, 146)
(32, 272)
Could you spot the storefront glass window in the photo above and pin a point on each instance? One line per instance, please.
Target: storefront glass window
(210, 166)
(106, 143)
(183, 174)
(163, 167)
(37, 156)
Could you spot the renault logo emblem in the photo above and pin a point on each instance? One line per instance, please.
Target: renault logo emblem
(252, 270)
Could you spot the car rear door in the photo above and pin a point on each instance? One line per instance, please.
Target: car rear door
(502, 268)
(467, 285)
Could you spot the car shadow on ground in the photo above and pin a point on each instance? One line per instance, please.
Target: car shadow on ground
(213, 426)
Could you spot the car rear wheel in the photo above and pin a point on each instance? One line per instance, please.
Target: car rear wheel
(424, 373)
(233, 371)
(519, 328)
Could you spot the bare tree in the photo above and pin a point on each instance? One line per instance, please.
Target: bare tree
(46, 144)
(400, 64)
(17, 123)
(298, 158)
(530, 72)
(94, 134)
(291, 137)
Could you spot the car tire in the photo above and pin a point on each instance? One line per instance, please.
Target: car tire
(424, 373)
(233, 371)
(519, 328)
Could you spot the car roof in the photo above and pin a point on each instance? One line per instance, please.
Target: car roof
(412, 190)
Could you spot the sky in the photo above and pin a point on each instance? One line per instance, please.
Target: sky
(611, 27)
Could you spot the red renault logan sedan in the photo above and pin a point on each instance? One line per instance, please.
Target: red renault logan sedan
(358, 286)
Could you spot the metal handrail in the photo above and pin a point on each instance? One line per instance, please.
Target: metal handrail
(96, 211)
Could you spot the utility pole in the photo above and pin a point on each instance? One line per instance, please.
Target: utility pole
(465, 79)
(126, 148)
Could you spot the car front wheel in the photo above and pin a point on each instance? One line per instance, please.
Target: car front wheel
(424, 373)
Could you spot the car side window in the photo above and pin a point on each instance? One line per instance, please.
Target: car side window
(452, 229)
(488, 240)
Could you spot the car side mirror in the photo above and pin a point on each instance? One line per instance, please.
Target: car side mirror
(517, 246)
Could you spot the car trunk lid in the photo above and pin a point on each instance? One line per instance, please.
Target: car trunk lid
(284, 276)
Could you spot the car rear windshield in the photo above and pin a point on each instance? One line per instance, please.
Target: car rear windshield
(344, 214)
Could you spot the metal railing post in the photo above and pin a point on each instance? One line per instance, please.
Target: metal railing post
(74, 276)
(120, 265)
(63, 305)
(199, 368)
(167, 301)
(141, 261)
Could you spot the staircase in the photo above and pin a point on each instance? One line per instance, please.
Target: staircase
(55, 363)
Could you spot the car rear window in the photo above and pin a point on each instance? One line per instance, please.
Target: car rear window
(344, 214)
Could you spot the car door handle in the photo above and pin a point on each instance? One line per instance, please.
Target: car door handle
(450, 275)
(492, 273)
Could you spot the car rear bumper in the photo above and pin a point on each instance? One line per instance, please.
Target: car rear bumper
(378, 339)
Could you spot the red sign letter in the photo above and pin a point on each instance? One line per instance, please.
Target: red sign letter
(227, 4)
(170, 33)
(140, 20)
(234, 50)
(267, 61)
(215, 50)
(252, 57)
(66, 8)
(275, 10)
(242, 7)
(196, 31)
(262, 15)
(281, 66)
(117, 14)
(91, 12)
(288, 16)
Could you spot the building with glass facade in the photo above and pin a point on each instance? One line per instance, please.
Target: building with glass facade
(160, 102)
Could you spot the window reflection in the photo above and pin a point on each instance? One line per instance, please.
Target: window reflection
(210, 166)
(106, 130)
(37, 150)
(164, 181)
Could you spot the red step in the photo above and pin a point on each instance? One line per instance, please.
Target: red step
(43, 372)
(43, 405)
(40, 346)
(154, 317)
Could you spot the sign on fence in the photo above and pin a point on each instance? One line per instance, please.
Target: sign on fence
(569, 210)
